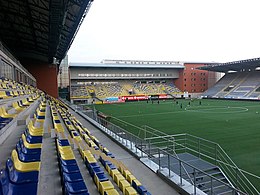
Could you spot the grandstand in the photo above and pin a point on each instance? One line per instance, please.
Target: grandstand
(117, 80)
(241, 81)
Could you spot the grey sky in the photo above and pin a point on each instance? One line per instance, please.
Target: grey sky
(178, 30)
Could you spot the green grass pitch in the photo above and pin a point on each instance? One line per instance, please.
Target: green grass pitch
(235, 125)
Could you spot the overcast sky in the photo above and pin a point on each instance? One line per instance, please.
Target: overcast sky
(178, 30)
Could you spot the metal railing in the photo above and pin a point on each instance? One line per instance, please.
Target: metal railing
(204, 149)
(214, 153)
(209, 151)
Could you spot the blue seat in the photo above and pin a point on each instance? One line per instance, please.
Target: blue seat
(5, 120)
(11, 188)
(32, 139)
(20, 177)
(70, 168)
(141, 190)
(76, 188)
(1, 190)
(63, 142)
(68, 162)
(72, 177)
(2, 126)
(8, 93)
(112, 166)
(91, 165)
(110, 154)
(27, 150)
(40, 117)
(94, 170)
(101, 177)
(27, 157)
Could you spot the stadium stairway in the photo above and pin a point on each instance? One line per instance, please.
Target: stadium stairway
(202, 180)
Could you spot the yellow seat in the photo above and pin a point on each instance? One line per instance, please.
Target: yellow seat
(90, 159)
(111, 192)
(17, 107)
(130, 178)
(118, 178)
(16, 93)
(4, 114)
(86, 153)
(3, 95)
(104, 186)
(123, 184)
(126, 172)
(58, 127)
(24, 167)
(25, 102)
(28, 145)
(64, 149)
(130, 191)
(40, 113)
(114, 172)
(35, 131)
(68, 156)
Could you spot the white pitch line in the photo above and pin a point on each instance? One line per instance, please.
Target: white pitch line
(151, 114)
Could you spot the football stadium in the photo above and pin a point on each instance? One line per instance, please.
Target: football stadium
(131, 127)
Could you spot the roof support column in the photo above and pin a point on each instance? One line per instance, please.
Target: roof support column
(46, 76)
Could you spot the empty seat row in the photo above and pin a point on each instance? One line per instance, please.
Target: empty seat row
(125, 180)
(11, 94)
(102, 182)
(56, 120)
(18, 106)
(71, 177)
(20, 175)
(6, 83)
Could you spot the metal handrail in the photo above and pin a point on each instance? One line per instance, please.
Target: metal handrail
(229, 164)
(226, 161)
(183, 162)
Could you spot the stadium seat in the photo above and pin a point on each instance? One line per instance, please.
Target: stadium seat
(105, 186)
(27, 157)
(72, 177)
(78, 188)
(26, 150)
(21, 175)
(29, 145)
(130, 191)
(32, 139)
(111, 192)
(4, 114)
(123, 184)
(10, 188)
(24, 167)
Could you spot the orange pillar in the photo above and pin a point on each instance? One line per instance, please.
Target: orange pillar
(45, 75)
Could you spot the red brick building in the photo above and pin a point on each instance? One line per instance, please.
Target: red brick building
(193, 80)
